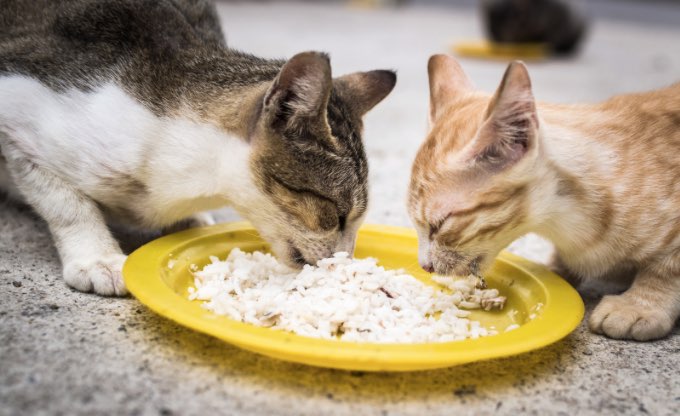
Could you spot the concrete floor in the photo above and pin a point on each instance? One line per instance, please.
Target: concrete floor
(64, 352)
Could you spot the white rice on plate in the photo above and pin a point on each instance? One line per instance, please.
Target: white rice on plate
(342, 298)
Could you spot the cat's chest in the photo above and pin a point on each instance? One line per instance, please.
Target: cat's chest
(88, 138)
(138, 165)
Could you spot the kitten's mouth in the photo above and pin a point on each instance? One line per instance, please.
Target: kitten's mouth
(459, 268)
(476, 264)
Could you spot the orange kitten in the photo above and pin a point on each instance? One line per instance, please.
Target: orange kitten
(601, 181)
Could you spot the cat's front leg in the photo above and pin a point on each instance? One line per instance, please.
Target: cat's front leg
(646, 311)
(92, 259)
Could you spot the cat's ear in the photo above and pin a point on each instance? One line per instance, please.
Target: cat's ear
(300, 91)
(366, 89)
(447, 79)
(511, 125)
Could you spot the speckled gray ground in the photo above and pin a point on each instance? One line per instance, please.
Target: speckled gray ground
(63, 352)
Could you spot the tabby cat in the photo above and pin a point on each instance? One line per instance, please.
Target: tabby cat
(601, 181)
(136, 112)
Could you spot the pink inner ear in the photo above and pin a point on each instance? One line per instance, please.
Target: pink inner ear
(307, 76)
(511, 125)
(513, 95)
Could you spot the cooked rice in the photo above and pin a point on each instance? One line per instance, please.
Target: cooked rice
(341, 297)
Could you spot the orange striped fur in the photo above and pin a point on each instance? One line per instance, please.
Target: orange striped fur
(601, 181)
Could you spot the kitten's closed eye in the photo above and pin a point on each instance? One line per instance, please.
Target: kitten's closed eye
(436, 226)
(433, 230)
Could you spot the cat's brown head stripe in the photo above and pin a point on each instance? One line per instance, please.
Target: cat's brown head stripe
(468, 195)
(308, 153)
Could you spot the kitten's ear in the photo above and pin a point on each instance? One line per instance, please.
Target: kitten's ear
(447, 79)
(511, 125)
(300, 91)
(367, 89)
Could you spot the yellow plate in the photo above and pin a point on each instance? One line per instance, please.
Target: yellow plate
(158, 275)
(502, 51)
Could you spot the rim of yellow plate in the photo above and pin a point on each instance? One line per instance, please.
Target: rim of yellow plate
(561, 313)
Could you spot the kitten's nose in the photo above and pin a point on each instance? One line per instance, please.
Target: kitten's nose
(428, 267)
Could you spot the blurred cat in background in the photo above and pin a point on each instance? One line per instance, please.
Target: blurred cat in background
(601, 181)
(136, 112)
(558, 24)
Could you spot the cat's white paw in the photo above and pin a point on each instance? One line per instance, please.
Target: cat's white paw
(103, 276)
(620, 317)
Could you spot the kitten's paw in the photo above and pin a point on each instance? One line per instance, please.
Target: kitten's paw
(103, 276)
(621, 317)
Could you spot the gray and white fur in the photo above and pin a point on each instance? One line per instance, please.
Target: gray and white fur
(135, 112)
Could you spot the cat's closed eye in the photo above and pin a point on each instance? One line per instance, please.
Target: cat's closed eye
(312, 209)
(436, 226)
(324, 213)
(433, 230)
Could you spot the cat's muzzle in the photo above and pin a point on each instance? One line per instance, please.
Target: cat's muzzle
(457, 264)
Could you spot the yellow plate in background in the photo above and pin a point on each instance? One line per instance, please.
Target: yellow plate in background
(502, 51)
(545, 306)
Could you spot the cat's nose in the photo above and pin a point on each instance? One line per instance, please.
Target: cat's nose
(428, 267)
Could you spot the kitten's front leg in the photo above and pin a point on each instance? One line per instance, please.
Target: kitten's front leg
(646, 311)
(92, 259)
